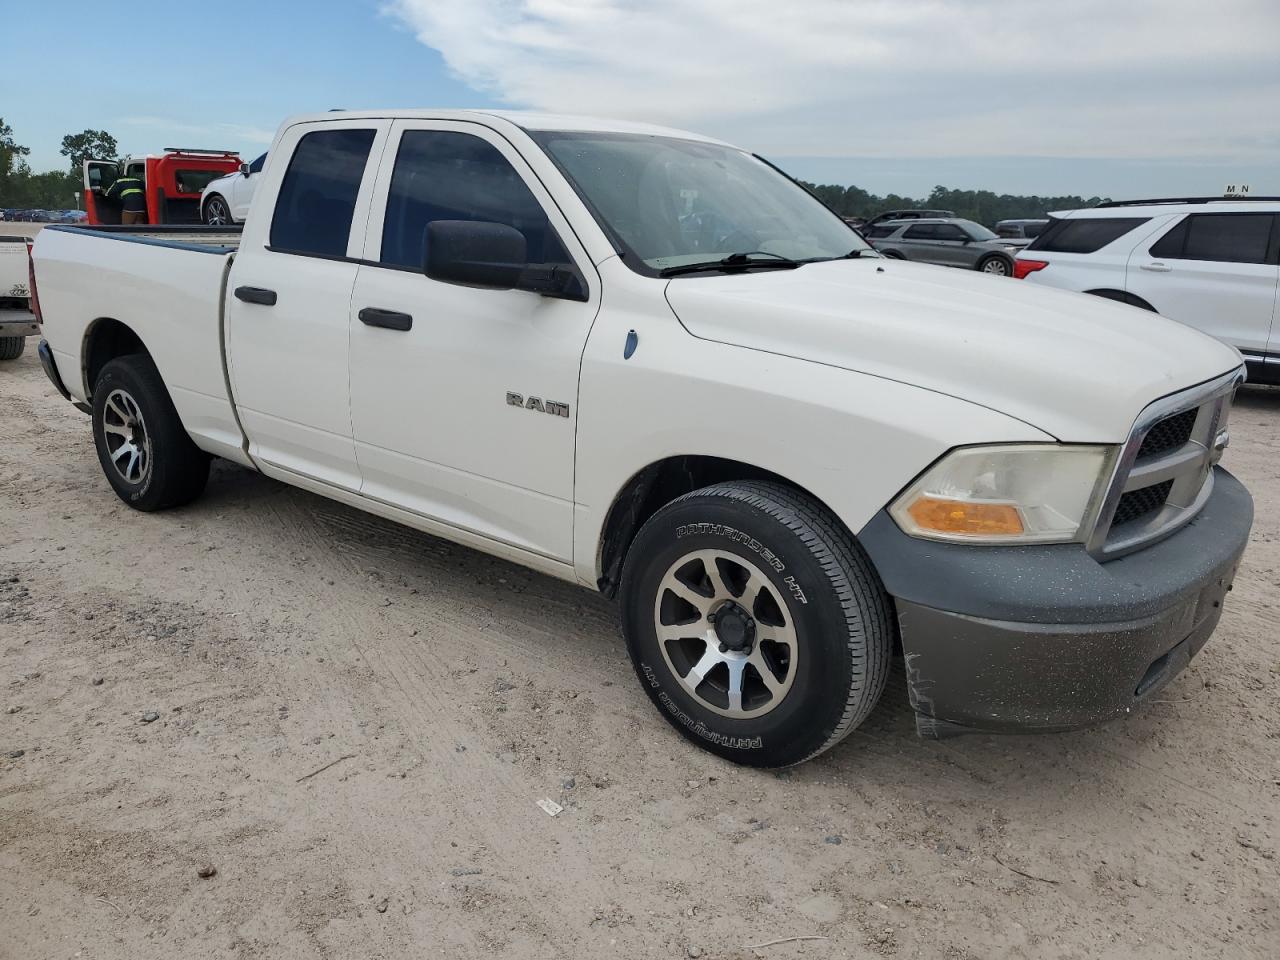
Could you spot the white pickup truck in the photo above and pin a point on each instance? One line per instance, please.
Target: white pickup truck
(16, 321)
(650, 363)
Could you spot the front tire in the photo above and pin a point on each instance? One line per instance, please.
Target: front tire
(755, 622)
(996, 265)
(11, 347)
(145, 452)
(216, 212)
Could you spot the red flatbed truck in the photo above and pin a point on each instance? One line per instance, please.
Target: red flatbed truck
(174, 181)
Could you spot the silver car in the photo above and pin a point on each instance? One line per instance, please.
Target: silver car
(949, 242)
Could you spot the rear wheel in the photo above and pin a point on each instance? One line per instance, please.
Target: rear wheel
(755, 622)
(216, 212)
(997, 265)
(147, 455)
(11, 347)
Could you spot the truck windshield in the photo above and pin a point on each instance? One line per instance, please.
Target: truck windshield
(669, 202)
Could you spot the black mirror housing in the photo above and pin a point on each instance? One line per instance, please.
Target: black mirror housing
(244, 169)
(474, 254)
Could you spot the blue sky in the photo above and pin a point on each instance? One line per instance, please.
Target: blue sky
(894, 95)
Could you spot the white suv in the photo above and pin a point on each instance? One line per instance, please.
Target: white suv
(1211, 264)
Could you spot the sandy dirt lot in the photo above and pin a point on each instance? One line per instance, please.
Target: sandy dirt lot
(440, 694)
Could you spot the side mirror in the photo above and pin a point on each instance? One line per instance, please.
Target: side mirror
(244, 169)
(493, 256)
(474, 254)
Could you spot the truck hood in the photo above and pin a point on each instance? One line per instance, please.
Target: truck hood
(1076, 366)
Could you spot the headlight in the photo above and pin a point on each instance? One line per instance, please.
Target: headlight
(1015, 493)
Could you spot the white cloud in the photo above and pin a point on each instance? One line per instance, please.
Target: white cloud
(925, 78)
(216, 131)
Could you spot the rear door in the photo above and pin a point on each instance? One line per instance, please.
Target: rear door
(1213, 271)
(917, 243)
(289, 300)
(465, 409)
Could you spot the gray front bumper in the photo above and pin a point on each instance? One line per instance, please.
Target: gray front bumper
(1046, 638)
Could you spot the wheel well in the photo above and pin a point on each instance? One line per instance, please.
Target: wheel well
(1123, 296)
(205, 201)
(106, 340)
(653, 488)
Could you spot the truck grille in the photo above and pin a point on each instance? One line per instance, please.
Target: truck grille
(1164, 473)
(1170, 432)
(1139, 503)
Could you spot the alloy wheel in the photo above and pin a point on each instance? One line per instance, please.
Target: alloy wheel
(125, 432)
(726, 633)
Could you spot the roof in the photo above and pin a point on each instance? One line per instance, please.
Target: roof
(1158, 209)
(526, 120)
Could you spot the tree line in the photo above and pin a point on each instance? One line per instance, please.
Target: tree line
(55, 189)
(23, 188)
(982, 206)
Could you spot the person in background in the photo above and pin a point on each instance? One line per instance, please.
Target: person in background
(131, 193)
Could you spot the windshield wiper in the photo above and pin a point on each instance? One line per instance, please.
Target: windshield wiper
(735, 261)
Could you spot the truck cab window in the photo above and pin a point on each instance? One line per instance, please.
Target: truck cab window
(318, 196)
(442, 175)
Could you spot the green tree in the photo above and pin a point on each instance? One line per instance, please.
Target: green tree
(12, 166)
(88, 145)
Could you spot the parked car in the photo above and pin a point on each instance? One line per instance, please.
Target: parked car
(1023, 231)
(948, 243)
(16, 321)
(226, 200)
(785, 455)
(1210, 263)
(174, 182)
(907, 215)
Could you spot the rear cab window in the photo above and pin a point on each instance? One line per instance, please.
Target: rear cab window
(317, 198)
(1218, 237)
(1084, 234)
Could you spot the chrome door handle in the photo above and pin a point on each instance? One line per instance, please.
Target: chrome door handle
(1156, 267)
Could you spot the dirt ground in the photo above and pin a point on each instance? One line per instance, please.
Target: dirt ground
(354, 724)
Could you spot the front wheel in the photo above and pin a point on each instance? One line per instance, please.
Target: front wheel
(11, 347)
(147, 455)
(997, 265)
(755, 622)
(216, 212)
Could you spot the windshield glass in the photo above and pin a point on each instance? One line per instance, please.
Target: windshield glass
(669, 202)
(977, 230)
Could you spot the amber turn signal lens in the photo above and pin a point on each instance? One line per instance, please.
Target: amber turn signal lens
(959, 516)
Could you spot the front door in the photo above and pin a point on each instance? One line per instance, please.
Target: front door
(97, 176)
(289, 300)
(464, 400)
(1213, 271)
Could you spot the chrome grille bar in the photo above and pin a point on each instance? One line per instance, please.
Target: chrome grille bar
(1187, 468)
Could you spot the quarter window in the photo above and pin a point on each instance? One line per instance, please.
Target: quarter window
(442, 175)
(1084, 235)
(1219, 237)
(318, 196)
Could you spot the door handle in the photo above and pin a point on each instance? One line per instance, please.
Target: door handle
(1156, 267)
(266, 298)
(391, 319)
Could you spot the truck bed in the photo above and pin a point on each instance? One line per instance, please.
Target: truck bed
(162, 285)
(205, 239)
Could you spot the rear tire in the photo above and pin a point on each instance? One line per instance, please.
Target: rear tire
(216, 212)
(147, 455)
(11, 347)
(733, 580)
